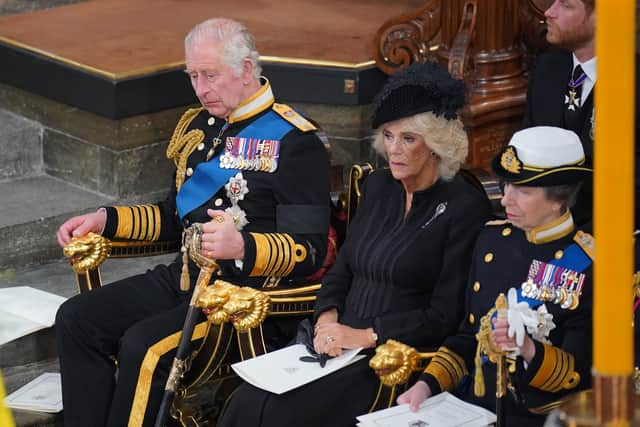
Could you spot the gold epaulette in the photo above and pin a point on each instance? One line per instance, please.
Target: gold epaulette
(498, 222)
(290, 115)
(586, 243)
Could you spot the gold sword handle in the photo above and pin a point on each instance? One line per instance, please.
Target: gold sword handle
(501, 368)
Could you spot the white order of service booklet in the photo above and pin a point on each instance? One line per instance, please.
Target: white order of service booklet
(24, 310)
(44, 394)
(282, 370)
(442, 410)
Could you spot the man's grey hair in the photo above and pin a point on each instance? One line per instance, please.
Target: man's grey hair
(446, 138)
(237, 42)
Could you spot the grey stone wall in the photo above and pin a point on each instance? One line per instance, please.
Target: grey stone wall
(21, 142)
(126, 158)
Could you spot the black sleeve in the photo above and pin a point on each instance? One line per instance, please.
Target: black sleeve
(302, 197)
(455, 358)
(155, 221)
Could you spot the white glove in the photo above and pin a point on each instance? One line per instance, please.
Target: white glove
(519, 315)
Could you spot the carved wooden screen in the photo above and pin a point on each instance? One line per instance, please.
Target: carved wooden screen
(488, 43)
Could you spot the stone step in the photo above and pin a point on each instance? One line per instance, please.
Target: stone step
(21, 142)
(17, 376)
(26, 358)
(58, 278)
(31, 211)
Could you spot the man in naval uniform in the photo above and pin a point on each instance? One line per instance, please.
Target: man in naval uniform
(255, 174)
(541, 263)
(561, 87)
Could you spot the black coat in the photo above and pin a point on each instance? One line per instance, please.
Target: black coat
(501, 260)
(293, 200)
(403, 277)
(374, 282)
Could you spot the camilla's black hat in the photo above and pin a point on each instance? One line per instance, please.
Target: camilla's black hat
(420, 88)
(542, 156)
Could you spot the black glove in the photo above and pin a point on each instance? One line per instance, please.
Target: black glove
(304, 335)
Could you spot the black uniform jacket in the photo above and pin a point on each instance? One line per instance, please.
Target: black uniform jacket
(285, 208)
(501, 260)
(545, 107)
(405, 277)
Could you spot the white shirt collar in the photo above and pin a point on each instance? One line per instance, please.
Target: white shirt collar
(589, 67)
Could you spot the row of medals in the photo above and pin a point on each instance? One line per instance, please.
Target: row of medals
(567, 299)
(259, 163)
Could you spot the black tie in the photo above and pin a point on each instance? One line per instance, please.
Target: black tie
(572, 97)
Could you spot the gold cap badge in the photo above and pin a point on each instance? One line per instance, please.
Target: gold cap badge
(509, 161)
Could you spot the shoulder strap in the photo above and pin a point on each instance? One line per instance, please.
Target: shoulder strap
(293, 117)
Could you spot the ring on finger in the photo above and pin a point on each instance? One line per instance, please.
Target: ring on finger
(329, 339)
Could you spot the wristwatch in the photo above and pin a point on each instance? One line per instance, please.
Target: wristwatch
(374, 336)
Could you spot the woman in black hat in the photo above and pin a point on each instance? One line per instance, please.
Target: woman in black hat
(402, 270)
(542, 264)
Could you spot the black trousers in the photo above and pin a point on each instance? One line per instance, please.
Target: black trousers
(334, 400)
(134, 320)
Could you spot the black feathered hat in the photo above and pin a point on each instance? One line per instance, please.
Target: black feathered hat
(420, 88)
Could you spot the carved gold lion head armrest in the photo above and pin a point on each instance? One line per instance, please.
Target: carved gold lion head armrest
(246, 308)
(212, 300)
(394, 362)
(87, 252)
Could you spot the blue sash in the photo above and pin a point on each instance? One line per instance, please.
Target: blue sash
(209, 177)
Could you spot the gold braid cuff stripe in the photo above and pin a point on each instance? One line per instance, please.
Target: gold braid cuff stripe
(276, 254)
(138, 222)
(447, 368)
(556, 371)
(149, 363)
